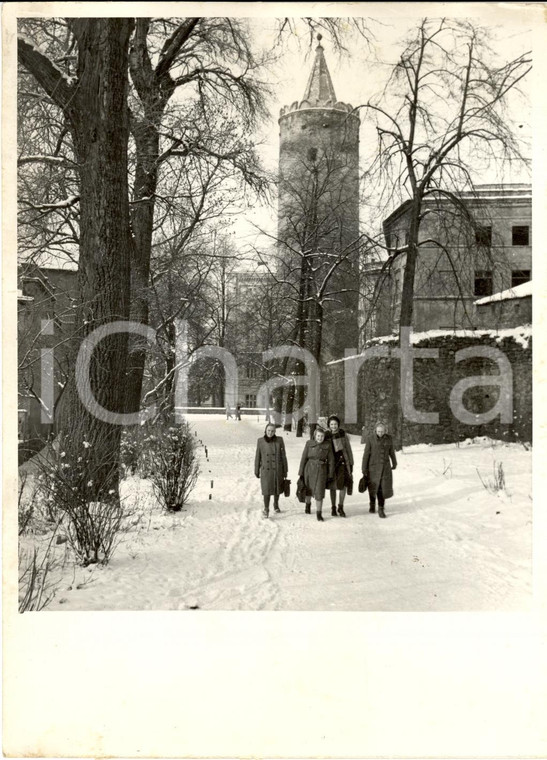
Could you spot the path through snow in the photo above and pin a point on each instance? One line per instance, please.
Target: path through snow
(447, 543)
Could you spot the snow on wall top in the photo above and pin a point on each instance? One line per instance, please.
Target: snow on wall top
(519, 291)
(521, 335)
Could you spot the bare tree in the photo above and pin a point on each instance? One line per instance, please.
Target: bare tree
(187, 73)
(441, 121)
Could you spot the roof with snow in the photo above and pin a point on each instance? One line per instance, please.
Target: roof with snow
(519, 291)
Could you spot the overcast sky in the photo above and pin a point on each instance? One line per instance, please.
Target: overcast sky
(361, 73)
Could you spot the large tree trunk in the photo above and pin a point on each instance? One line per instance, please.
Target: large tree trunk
(100, 127)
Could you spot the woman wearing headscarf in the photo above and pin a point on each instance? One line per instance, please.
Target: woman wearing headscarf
(343, 464)
(271, 467)
(316, 467)
(378, 462)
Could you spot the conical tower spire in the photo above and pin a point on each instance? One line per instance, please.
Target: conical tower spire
(320, 91)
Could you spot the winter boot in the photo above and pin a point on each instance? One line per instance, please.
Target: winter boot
(341, 510)
(308, 509)
(381, 512)
(372, 507)
(265, 513)
(333, 510)
(276, 508)
(320, 516)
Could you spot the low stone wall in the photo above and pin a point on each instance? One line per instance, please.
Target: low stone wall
(434, 381)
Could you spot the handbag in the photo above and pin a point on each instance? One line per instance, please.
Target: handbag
(363, 484)
(349, 486)
(301, 490)
(286, 487)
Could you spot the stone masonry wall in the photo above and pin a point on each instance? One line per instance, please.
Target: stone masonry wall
(434, 380)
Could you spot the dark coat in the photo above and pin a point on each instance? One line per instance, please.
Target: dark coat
(343, 458)
(316, 467)
(271, 465)
(376, 464)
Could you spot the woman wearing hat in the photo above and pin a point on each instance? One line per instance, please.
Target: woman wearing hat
(378, 462)
(271, 467)
(343, 463)
(316, 468)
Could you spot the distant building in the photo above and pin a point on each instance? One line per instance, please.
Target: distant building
(253, 331)
(467, 252)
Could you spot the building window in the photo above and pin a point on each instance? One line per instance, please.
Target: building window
(252, 370)
(521, 235)
(483, 236)
(483, 282)
(250, 400)
(519, 276)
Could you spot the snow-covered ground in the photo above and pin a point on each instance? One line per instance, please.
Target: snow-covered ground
(448, 543)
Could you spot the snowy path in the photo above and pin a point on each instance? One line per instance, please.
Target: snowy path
(447, 544)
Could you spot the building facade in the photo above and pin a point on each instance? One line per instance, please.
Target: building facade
(468, 251)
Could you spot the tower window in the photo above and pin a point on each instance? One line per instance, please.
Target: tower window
(483, 282)
(521, 235)
(483, 235)
(519, 276)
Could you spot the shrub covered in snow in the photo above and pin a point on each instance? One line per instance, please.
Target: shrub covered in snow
(69, 488)
(169, 459)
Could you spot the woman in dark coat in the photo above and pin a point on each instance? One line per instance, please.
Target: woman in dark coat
(271, 467)
(316, 468)
(378, 461)
(343, 463)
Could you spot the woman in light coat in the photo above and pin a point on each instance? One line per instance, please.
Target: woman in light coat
(378, 462)
(343, 463)
(271, 467)
(316, 468)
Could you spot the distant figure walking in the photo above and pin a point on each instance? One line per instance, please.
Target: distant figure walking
(378, 462)
(343, 464)
(316, 468)
(228, 412)
(271, 467)
(238, 411)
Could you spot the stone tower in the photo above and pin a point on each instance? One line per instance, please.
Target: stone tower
(319, 202)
